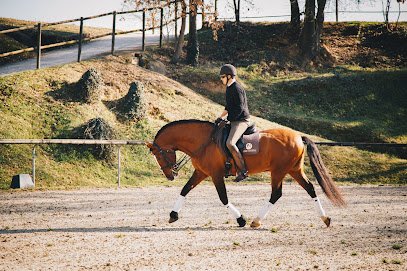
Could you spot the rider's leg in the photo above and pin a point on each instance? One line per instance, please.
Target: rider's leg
(236, 131)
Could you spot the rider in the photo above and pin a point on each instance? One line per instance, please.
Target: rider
(237, 113)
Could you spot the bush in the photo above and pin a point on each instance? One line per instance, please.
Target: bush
(98, 129)
(90, 86)
(133, 106)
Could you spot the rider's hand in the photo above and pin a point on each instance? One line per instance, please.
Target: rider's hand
(218, 120)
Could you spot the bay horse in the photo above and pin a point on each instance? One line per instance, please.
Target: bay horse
(282, 152)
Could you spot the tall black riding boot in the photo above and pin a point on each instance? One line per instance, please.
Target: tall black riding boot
(240, 164)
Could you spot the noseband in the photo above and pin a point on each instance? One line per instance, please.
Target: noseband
(175, 167)
(164, 154)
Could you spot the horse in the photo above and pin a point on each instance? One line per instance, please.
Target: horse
(282, 152)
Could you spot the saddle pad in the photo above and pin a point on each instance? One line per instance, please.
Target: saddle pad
(250, 144)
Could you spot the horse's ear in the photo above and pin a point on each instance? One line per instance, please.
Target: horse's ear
(149, 145)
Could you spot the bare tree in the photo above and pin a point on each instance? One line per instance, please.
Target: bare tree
(193, 45)
(295, 23)
(310, 36)
(386, 11)
(236, 5)
(180, 42)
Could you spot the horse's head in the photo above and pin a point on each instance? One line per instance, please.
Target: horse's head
(166, 158)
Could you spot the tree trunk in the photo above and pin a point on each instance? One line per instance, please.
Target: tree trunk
(237, 10)
(320, 23)
(180, 41)
(295, 23)
(307, 38)
(310, 38)
(193, 46)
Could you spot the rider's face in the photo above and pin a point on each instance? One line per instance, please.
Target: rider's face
(224, 79)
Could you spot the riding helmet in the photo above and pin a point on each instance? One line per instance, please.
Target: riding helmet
(228, 69)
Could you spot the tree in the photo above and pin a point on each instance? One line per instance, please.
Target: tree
(295, 23)
(193, 45)
(236, 5)
(310, 36)
(180, 42)
(387, 11)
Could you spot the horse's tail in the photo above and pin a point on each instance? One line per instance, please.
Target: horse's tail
(322, 175)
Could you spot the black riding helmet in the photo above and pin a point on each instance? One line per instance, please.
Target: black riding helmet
(228, 69)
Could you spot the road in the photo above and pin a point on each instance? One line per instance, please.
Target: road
(89, 50)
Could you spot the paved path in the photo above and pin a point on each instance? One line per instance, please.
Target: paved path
(89, 50)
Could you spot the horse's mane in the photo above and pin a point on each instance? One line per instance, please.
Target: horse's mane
(174, 123)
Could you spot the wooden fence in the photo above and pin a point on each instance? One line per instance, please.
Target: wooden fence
(120, 143)
(81, 39)
(36, 142)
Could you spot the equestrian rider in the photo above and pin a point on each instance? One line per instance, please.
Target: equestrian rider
(237, 113)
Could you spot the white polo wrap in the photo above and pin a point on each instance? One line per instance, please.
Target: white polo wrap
(264, 210)
(178, 204)
(318, 206)
(235, 212)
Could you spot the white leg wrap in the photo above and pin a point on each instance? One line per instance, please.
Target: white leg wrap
(178, 204)
(235, 212)
(264, 210)
(318, 206)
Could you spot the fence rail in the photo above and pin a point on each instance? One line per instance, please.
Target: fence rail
(81, 39)
(302, 13)
(36, 142)
(120, 143)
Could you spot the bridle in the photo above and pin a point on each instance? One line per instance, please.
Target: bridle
(175, 167)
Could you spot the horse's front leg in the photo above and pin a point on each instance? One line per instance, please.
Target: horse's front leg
(195, 179)
(221, 188)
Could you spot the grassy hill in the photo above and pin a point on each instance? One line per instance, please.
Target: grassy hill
(342, 102)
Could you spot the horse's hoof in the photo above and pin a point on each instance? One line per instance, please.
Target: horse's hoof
(327, 220)
(255, 223)
(241, 221)
(173, 217)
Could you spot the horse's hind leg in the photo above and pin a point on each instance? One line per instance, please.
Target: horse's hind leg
(300, 177)
(195, 179)
(276, 193)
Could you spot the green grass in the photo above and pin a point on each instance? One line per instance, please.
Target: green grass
(36, 104)
(341, 104)
(345, 103)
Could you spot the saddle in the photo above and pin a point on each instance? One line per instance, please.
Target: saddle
(248, 144)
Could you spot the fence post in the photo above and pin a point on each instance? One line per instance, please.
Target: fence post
(118, 167)
(203, 14)
(336, 10)
(161, 26)
(113, 31)
(80, 40)
(216, 10)
(39, 46)
(33, 165)
(143, 46)
(176, 19)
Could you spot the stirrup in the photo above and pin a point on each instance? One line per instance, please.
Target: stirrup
(241, 176)
(228, 167)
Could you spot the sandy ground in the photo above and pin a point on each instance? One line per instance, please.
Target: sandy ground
(127, 229)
